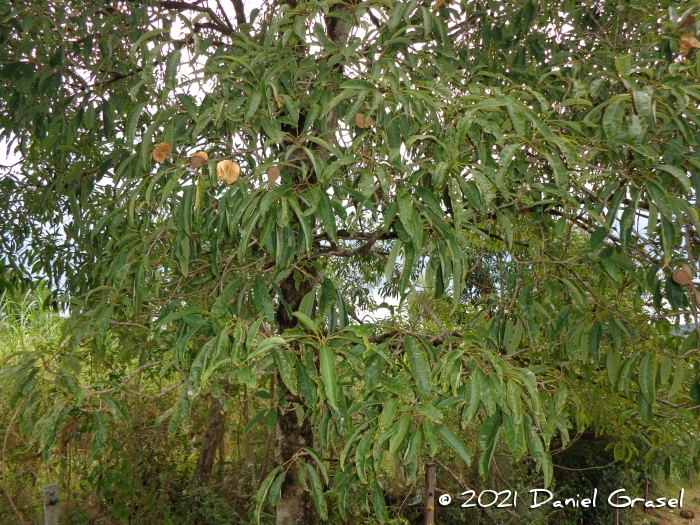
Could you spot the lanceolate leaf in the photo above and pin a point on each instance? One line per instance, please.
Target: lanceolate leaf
(286, 362)
(330, 380)
(647, 373)
(418, 363)
(317, 492)
(261, 297)
(262, 492)
(454, 442)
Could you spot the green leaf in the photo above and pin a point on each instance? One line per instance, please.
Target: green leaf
(330, 380)
(661, 198)
(317, 493)
(255, 420)
(131, 123)
(357, 84)
(680, 175)
(406, 213)
(171, 68)
(399, 433)
(514, 402)
(666, 369)
(286, 363)
(327, 216)
(612, 120)
(678, 376)
(252, 104)
(222, 302)
(645, 409)
(472, 397)
(261, 298)
(378, 502)
(276, 489)
(515, 436)
(489, 430)
(454, 442)
(99, 435)
(612, 364)
(430, 412)
(50, 428)
(262, 492)
(361, 453)
(647, 373)
(305, 321)
(516, 118)
(642, 102)
(418, 364)
(391, 261)
(388, 413)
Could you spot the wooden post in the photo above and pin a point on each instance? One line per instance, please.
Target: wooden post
(646, 496)
(51, 504)
(429, 494)
(690, 475)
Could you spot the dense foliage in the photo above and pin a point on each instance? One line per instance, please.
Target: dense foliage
(520, 177)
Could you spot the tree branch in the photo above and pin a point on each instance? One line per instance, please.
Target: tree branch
(240, 12)
(184, 6)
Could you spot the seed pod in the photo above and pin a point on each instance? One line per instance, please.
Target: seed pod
(688, 270)
(199, 159)
(273, 175)
(161, 152)
(687, 42)
(681, 277)
(228, 171)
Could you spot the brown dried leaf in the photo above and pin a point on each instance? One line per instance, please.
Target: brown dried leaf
(680, 277)
(227, 171)
(273, 175)
(199, 159)
(362, 122)
(697, 298)
(687, 42)
(438, 4)
(366, 156)
(687, 21)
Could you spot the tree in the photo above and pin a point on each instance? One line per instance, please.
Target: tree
(407, 145)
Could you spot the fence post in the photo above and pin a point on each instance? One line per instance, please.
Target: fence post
(51, 504)
(429, 494)
(646, 496)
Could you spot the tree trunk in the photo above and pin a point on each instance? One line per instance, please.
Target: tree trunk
(213, 435)
(296, 506)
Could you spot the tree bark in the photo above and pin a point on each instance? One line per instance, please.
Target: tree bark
(213, 435)
(296, 506)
